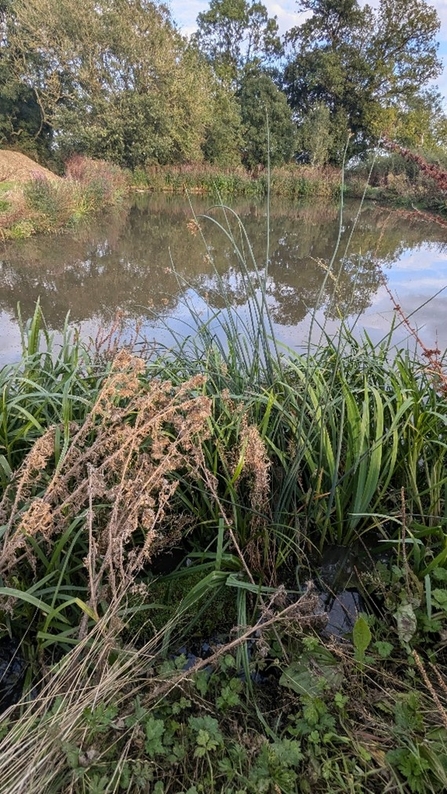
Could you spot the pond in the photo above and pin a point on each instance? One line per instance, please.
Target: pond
(148, 261)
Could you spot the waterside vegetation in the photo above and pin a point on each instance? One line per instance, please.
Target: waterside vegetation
(44, 202)
(116, 82)
(165, 521)
(176, 526)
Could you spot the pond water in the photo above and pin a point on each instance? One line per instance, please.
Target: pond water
(146, 261)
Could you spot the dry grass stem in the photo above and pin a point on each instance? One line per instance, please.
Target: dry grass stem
(118, 471)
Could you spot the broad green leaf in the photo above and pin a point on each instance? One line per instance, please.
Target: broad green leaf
(11, 592)
(361, 635)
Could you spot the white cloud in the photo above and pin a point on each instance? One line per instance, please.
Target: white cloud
(441, 8)
(287, 15)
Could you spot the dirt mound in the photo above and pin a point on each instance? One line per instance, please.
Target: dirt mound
(17, 167)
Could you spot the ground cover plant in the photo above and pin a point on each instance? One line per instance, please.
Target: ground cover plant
(164, 522)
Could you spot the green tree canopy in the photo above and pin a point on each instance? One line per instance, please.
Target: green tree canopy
(365, 64)
(21, 123)
(422, 123)
(235, 33)
(223, 142)
(113, 79)
(267, 124)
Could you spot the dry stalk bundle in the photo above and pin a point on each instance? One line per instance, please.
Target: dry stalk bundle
(117, 472)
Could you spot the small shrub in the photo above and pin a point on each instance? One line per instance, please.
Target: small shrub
(20, 230)
(41, 195)
(140, 178)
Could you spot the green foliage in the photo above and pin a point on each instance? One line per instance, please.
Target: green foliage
(322, 136)
(49, 387)
(21, 121)
(363, 63)
(223, 138)
(314, 135)
(235, 33)
(269, 132)
(195, 595)
(290, 181)
(43, 195)
(296, 453)
(422, 124)
(413, 767)
(117, 82)
(361, 637)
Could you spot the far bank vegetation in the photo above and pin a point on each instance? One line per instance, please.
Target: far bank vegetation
(117, 82)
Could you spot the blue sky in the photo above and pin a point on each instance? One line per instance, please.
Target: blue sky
(185, 14)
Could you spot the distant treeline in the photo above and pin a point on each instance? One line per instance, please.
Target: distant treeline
(117, 81)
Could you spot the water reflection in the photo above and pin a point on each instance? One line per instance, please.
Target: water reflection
(143, 259)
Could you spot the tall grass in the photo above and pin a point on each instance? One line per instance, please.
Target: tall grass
(49, 205)
(49, 387)
(293, 182)
(343, 428)
(249, 458)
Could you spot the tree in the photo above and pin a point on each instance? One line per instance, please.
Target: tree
(223, 138)
(314, 135)
(269, 131)
(362, 63)
(235, 33)
(113, 79)
(21, 123)
(422, 123)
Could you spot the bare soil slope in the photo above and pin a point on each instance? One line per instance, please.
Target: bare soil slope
(17, 167)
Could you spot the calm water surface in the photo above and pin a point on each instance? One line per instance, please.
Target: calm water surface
(147, 262)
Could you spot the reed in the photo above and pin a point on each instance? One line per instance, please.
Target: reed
(249, 459)
(293, 181)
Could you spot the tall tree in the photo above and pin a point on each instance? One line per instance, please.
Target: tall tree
(113, 78)
(21, 123)
(235, 33)
(365, 64)
(269, 132)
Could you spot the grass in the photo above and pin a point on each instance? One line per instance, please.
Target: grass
(290, 181)
(42, 205)
(148, 502)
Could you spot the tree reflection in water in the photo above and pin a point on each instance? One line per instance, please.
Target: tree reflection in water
(125, 261)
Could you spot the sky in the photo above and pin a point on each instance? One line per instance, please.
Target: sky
(185, 14)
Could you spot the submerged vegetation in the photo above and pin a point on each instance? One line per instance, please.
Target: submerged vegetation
(166, 526)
